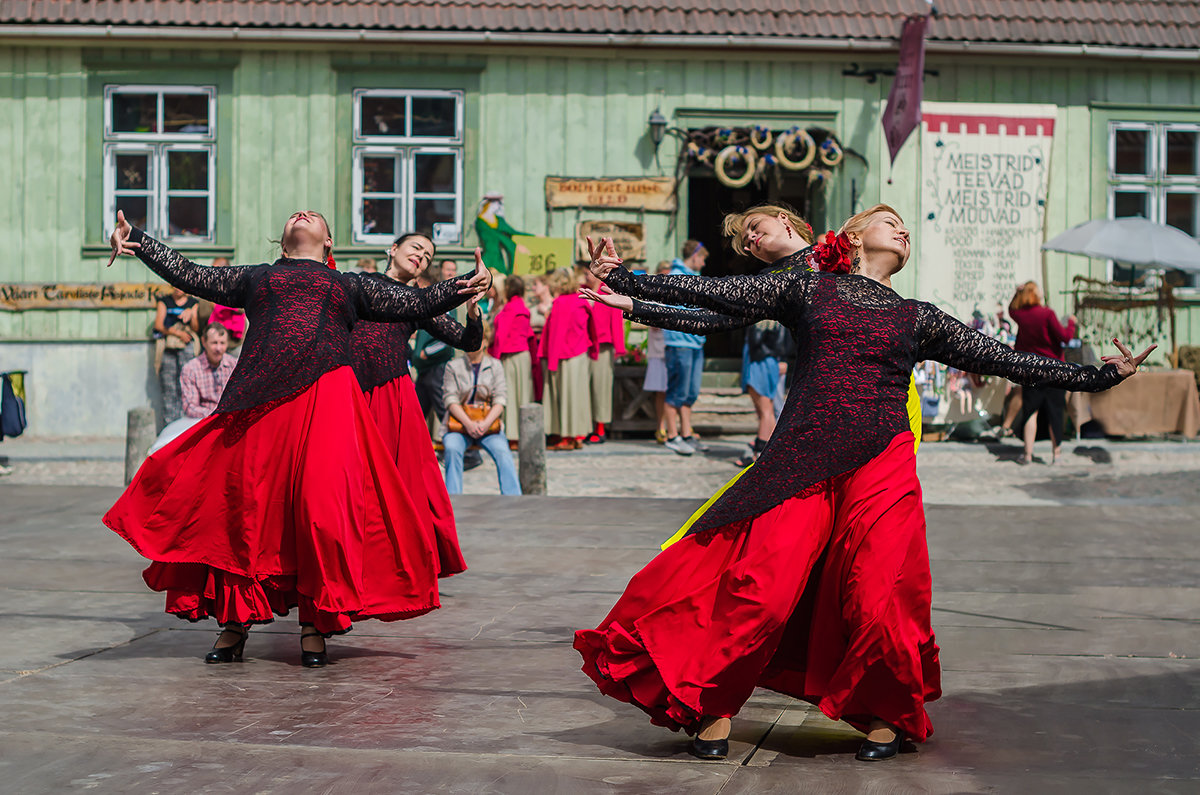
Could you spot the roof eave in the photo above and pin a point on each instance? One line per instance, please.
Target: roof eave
(670, 41)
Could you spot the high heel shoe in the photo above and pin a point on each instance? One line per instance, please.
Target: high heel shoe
(871, 751)
(226, 654)
(313, 659)
(710, 749)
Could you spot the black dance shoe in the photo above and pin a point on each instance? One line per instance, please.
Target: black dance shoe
(709, 749)
(226, 654)
(313, 659)
(876, 752)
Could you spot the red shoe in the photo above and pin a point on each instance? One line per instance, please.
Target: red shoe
(562, 444)
(596, 438)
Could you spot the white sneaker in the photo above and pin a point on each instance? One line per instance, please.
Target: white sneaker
(5, 470)
(679, 445)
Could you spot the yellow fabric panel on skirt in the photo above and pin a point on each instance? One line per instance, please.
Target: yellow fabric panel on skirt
(913, 406)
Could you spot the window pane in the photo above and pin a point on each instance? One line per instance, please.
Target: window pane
(428, 212)
(185, 113)
(1181, 153)
(379, 175)
(1130, 203)
(187, 216)
(133, 172)
(187, 170)
(383, 116)
(1132, 152)
(379, 217)
(137, 113)
(134, 208)
(434, 173)
(434, 116)
(1182, 212)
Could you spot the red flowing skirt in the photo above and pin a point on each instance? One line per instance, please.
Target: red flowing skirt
(295, 503)
(402, 425)
(825, 597)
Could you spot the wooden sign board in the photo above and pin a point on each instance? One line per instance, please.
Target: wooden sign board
(117, 295)
(652, 194)
(629, 239)
(540, 255)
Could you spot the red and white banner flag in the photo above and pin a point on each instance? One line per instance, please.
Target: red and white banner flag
(903, 112)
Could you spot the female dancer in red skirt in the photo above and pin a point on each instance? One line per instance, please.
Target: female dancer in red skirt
(285, 496)
(810, 574)
(379, 353)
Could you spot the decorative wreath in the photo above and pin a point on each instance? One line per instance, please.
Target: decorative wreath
(735, 153)
(784, 143)
(830, 152)
(761, 138)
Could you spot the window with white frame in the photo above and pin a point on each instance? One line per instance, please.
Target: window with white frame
(160, 158)
(1154, 172)
(408, 165)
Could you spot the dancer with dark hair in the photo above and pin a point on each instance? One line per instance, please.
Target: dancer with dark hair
(286, 495)
(380, 354)
(810, 574)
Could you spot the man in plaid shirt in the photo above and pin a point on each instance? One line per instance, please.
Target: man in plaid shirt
(203, 379)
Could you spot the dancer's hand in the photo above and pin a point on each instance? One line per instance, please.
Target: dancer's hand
(120, 239)
(480, 281)
(473, 304)
(622, 302)
(1127, 364)
(604, 256)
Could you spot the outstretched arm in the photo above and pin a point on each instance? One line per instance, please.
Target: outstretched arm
(451, 332)
(223, 285)
(386, 301)
(944, 339)
(672, 318)
(778, 296)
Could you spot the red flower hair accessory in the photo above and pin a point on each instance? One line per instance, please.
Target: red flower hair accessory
(834, 253)
(329, 263)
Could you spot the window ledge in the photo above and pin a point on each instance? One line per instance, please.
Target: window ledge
(200, 250)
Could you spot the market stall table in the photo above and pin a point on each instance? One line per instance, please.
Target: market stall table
(1155, 401)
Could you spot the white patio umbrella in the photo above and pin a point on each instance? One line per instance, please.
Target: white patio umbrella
(1134, 241)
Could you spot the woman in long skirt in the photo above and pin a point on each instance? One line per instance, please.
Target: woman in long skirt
(380, 354)
(285, 496)
(567, 345)
(810, 574)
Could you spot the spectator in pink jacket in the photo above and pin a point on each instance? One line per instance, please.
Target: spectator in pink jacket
(609, 326)
(1038, 331)
(568, 341)
(510, 344)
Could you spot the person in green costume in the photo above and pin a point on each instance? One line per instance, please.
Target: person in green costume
(496, 235)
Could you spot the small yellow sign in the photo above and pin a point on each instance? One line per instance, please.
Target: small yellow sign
(540, 255)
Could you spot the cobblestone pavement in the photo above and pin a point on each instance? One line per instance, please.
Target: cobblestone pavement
(1093, 471)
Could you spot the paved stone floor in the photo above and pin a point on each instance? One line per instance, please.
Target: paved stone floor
(1070, 636)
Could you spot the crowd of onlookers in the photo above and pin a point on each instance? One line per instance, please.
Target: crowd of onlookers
(545, 343)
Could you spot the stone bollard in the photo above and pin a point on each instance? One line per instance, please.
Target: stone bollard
(531, 450)
(139, 436)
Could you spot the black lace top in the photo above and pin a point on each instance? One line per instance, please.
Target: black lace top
(379, 352)
(301, 314)
(857, 342)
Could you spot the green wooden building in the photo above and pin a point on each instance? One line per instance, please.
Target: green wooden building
(210, 122)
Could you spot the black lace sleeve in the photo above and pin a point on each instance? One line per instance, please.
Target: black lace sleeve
(942, 338)
(387, 301)
(690, 321)
(222, 285)
(779, 295)
(451, 332)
